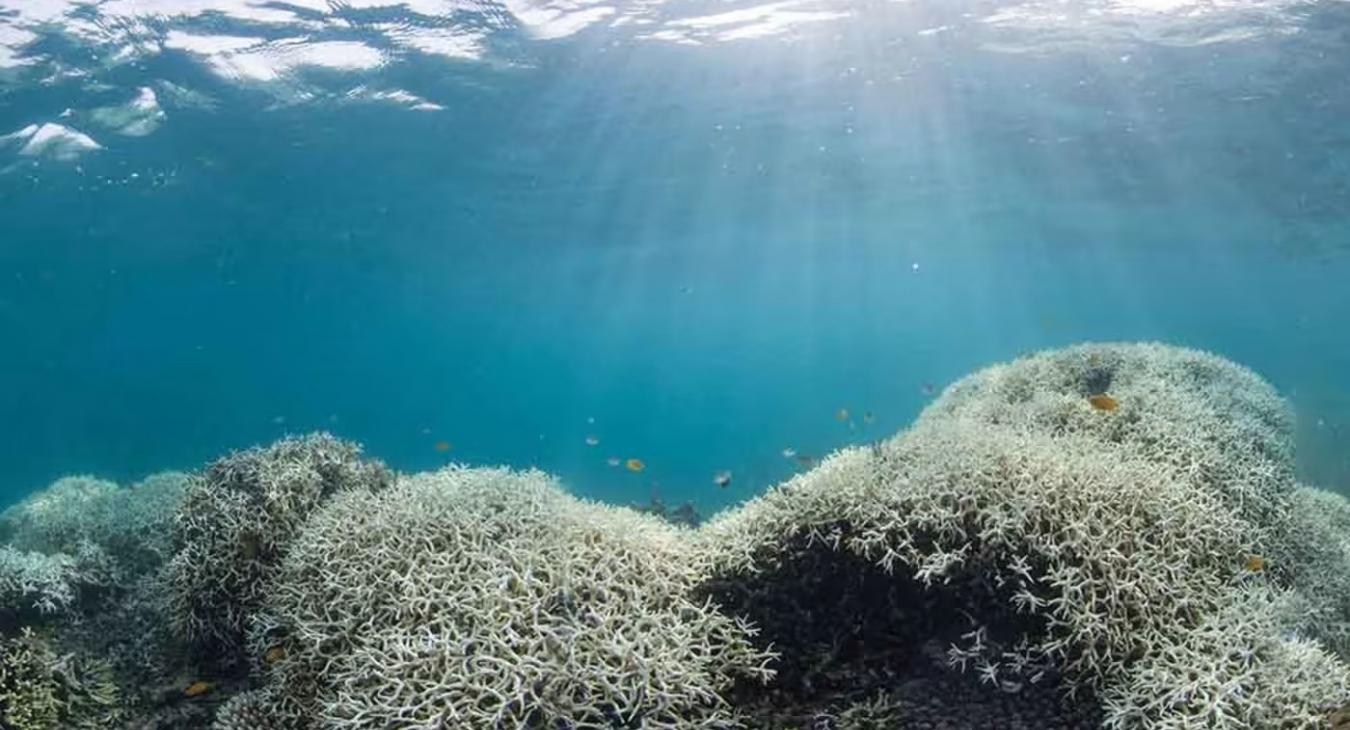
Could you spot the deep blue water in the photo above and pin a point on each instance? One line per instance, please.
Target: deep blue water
(705, 226)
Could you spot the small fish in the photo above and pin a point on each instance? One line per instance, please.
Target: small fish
(868, 418)
(635, 465)
(1103, 402)
(928, 389)
(841, 415)
(590, 420)
(592, 440)
(1254, 563)
(613, 461)
(198, 688)
(806, 461)
(722, 479)
(279, 420)
(789, 453)
(274, 655)
(442, 447)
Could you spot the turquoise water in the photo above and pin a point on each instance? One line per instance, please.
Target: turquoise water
(695, 231)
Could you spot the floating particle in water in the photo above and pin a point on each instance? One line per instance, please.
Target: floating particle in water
(592, 440)
(841, 415)
(635, 465)
(442, 447)
(1103, 402)
(789, 453)
(722, 479)
(914, 267)
(198, 688)
(590, 420)
(613, 461)
(1254, 563)
(279, 420)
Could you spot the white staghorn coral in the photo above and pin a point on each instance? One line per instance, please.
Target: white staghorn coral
(234, 526)
(485, 598)
(132, 524)
(1071, 541)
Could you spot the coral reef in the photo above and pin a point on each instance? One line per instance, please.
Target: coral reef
(33, 584)
(1035, 537)
(40, 690)
(1107, 536)
(1312, 554)
(484, 598)
(132, 525)
(235, 524)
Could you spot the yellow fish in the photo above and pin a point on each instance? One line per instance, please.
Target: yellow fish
(442, 446)
(274, 655)
(1254, 563)
(1103, 402)
(841, 415)
(198, 688)
(635, 465)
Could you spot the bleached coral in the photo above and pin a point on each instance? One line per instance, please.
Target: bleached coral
(1241, 667)
(1069, 541)
(1312, 554)
(484, 598)
(235, 524)
(34, 583)
(133, 525)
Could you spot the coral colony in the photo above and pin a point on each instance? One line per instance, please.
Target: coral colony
(1107, 536)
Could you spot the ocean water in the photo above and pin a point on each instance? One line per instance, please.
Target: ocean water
(693, 230)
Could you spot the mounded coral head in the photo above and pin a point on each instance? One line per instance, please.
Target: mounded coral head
(485, 598)
(1018, 532)
(235, 524)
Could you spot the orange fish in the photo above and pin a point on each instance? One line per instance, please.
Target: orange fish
(635, 465)
(442, 446)
(274, 655)
(1103, 402)
(198, 688)
(1254, 563)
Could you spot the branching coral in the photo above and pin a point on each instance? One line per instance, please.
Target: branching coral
(133, 525)
(34, 584)
(1241, 667)
(29, 695)
(1071, 540)
(41, 690)
(1311, 553)
(482, 598)
(235, 525)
